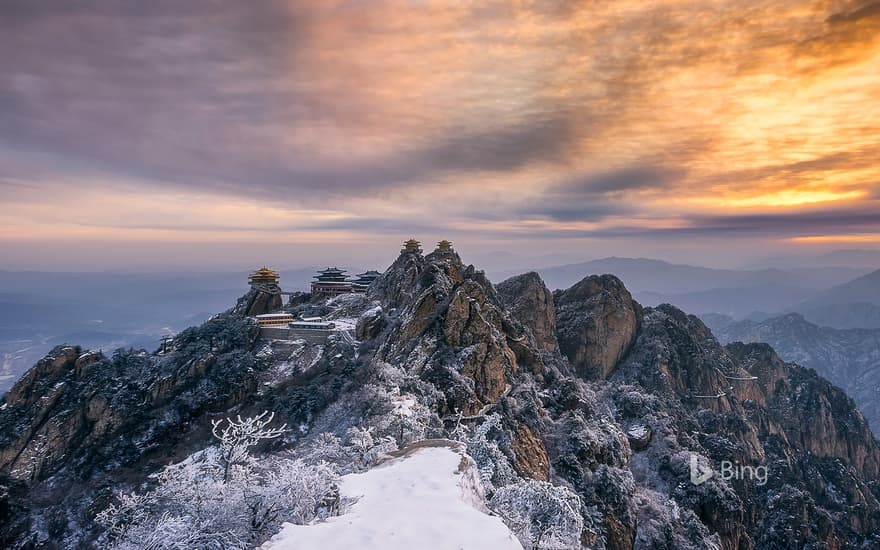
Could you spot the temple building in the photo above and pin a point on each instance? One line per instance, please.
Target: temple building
(331, 282)
(263, 276)
(274, 319)
(444, 246)
(364, 280)
(412, 246)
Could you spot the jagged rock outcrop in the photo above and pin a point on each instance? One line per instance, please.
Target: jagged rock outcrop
(596, 321)
(849, 358)
(676, 355)
(529, 455)
(744, 405)
(454, 328)
(530, 302)
(834, 426)
(260, 300)
(371, 324)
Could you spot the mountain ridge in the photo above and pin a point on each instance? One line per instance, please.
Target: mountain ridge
(611, 405)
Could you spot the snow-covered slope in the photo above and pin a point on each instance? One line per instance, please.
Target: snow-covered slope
(429, 499)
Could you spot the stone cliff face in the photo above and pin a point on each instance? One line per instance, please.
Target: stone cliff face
(835, 427)
(849, 358)
(745, 405)
(530, 302)
(597, 321)
(453, 327)
(615, 412)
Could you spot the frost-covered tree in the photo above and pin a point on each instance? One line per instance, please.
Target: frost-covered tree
(327, 447)
(238, 436)
(301, 491)
(177, 533)
(362, 449)
(223, 497)
(494, 467)
(543, 516)
(408, 420)
(367, 449)
(129, 509)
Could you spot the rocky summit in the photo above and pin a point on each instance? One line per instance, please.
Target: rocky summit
(667, 438)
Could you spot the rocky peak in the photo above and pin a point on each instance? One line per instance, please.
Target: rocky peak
(450, 324)
(402, 281)
(530, 302)
(596, 323)
(440, 255)
(260, 300)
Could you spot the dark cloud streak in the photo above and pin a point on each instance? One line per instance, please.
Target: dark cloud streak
(594, 197)
(193, 95)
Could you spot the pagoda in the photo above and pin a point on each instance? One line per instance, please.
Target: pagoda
(331, 282)
(444, 246)
(412, 246)
(263, 276)
(364, 280)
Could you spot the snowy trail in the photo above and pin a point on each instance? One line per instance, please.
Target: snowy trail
(419, 501)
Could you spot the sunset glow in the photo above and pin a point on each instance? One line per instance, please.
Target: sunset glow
(312, 122)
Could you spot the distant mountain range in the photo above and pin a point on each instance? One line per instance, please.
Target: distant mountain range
(855, 304)
(650, 275)
(848, 358)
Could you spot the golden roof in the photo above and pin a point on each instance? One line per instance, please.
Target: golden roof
(264, 274)
(444, 245)
(412, 245)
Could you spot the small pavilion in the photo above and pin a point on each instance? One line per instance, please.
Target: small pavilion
(412, 246)
(263, 276)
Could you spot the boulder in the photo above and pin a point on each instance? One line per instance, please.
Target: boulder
(596, 323)
(261, 300)
(530, 302)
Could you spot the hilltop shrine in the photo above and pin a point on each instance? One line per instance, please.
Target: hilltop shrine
(263, 276)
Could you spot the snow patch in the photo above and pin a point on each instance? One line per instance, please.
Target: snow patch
(637, 431)
(423, 500)
(345, 324)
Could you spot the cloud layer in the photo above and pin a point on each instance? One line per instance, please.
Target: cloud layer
(315, 121)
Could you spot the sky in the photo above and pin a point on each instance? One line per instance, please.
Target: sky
(207, 134)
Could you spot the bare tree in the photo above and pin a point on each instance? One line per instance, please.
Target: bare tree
(237, 436)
